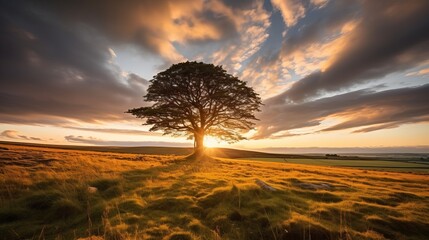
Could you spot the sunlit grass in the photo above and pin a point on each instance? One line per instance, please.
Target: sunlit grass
(44, 194)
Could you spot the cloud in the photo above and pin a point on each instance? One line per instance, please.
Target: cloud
(252, 24)
(116, 131)
(67, 52)
(9, 134)
(292, 10)
(153, 25)
(305, 48)
(364, 108)
(58, 58)
(340, 46)
(319, 3)
(369, 54)
(265, 79)
(319, 38)
(53, 73)
(419, 73)
(12, 134)
(100, 142)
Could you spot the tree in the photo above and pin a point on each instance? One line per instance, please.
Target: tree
(197, 99)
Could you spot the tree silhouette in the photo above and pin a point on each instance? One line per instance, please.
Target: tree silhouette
(197, 99)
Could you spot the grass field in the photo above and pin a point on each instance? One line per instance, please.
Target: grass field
(49, 193)
(377, 164)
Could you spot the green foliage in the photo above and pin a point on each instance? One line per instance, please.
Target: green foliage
(197, 99)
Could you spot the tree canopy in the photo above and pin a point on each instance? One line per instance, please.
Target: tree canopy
(197, 99)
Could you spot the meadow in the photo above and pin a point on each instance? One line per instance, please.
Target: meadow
(52, 193)
(407, 165)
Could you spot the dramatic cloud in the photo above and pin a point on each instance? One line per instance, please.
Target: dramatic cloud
(52, 73)
(65, 49)
(100, 142)
(153, 25)
(63, 62)
(404, 43)
(340, 46)
(253, 23)
(326, 25)
(364, 108)
(12, 134)
(305, 48)
(292, 10)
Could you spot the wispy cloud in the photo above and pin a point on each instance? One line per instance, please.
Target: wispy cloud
(363, 108)
(368, 54)
(292, 10)
(252, 25)
(419, 73)
(116, 131)
(153, 25)
(12, 134)
(100, 142)
(305, 49)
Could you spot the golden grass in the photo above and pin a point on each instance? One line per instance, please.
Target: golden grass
(44, 194)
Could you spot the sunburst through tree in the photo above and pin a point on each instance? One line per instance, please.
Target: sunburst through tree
(198, 99)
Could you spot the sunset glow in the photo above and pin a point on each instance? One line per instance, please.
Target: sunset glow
(325, 74)
(212, 142)
(214, 119)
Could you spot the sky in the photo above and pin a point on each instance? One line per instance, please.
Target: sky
(331, 74)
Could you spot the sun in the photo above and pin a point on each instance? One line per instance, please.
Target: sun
(211, 142)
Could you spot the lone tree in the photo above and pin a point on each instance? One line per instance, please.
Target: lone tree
(197, 99)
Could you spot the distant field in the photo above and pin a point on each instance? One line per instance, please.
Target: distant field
(48, 193)
(391, 165)
(153, 150)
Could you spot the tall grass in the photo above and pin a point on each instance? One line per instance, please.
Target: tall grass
(46, 194)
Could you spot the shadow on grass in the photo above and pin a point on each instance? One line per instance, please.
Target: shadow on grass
(168, 201)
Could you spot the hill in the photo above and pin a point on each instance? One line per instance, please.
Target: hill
(408, 163)
(179, 151)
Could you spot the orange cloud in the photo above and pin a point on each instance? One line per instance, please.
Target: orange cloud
(291, 10)
(419, 73)
(15, 135)
(364, 109)
(252, 24)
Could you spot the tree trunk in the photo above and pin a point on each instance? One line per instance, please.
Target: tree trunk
(199, 144)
